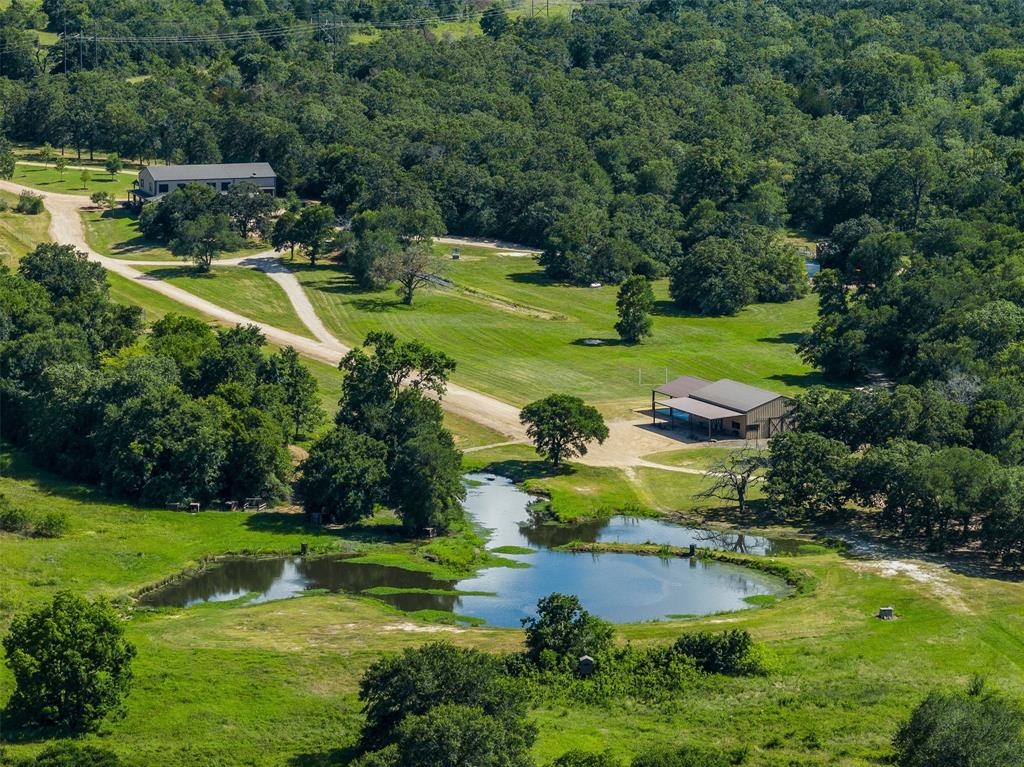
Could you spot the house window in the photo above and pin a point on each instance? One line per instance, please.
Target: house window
(212, 184)
(161, 188)
(225, 185)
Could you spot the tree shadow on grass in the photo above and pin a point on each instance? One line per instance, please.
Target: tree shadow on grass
(538, 278)
(790, 339)
(519, 471)
(378, 305)
(18, 728)
(803, 380)
(171, 272)
(666, 308)
(16, 464)
(597, 342)
(284, 523)
(335, 757)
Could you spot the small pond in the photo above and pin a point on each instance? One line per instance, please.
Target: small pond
(618, 587)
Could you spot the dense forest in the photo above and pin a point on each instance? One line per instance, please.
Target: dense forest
(675, 138)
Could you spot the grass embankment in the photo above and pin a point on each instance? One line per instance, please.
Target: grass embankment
(116, 233)
(519, 336)
(276, 684)
(239, 289)
(20, 233)
(49, 180)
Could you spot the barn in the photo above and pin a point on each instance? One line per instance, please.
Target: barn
(724, 407)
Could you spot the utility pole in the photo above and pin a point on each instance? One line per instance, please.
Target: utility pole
(81, 57)
(64, 38)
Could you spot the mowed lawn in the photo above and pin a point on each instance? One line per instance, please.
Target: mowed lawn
(239, 289)
(20, 233)
(49, 180)
(116, 233)
(276, 684)
(519, 336)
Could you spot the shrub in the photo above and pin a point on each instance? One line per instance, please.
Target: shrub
(3, 204)
(70, 661)
(689, 756)
(578, 758)
(730, 652)
(53, 524)
(30, 204)
(12, 518)
(962, 729)
(73, 755)
(420, 679)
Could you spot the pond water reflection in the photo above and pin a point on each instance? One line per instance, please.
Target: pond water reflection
(618, 587)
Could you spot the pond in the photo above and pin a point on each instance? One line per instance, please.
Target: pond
(622, 588)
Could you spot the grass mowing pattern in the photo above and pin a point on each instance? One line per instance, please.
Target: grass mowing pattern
(519, 336)
(238, 289)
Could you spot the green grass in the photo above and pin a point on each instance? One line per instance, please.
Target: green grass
(116, 233)
(49, 180)
(245, 291)
(20, 233)
(518, 336)
(276, 684)
(154, 305)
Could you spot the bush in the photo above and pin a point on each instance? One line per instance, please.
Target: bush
(730, 652)
(962, 729)
(70, 661)
(73, 755)
(3, 204)
(690, 756)
(437, 674)
(12, 518)
(587, 759)
(53, 524)
(30, 204)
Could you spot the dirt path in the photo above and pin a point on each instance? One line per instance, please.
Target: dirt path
(507, 248)
(625, 447)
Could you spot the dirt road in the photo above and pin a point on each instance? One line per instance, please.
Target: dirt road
(625, 447)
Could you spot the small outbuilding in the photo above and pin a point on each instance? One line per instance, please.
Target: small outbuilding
(725, 407)
(155, 181)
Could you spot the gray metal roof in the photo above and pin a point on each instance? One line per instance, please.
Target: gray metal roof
(702, 409)
(682, 386)
(234, 170)
(735, 395)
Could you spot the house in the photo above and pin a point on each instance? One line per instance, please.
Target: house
(154, 181)
(723, 406)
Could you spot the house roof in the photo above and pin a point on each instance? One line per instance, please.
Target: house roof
(204, 172)
(682, 386)
(700, 408)
(735, 395)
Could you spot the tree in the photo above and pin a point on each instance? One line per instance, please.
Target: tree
(102, 200)
(712, 277)
(249, 208)
(808, 475)
(561, 425)
(285, 233)
(563, 631)
(113, 165)
(203, 239)
(86, 178)
(412, 267)
(733, 475)
(7, 159)
(962, 729)
(426, 471)
(344, 475)
(457, 735)
(299, 389)
(61, 165)
(495, 22)
(46, 154)
(70, 661)
(396, 687)
(634, 303)
(315, 225)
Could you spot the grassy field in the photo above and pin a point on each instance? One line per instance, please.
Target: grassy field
(49, 180)
(518, 336)
(275, 684)
(246, 291)
(116, 233)
(20, 233)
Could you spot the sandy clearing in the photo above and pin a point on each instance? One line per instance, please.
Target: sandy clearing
(936, 577)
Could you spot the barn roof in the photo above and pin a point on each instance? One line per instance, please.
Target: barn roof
(212, 171)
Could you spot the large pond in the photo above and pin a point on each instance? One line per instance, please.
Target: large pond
(618, 587)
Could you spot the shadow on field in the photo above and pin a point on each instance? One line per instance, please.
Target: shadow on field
(598, 342)
(534, 278)
(285, 523)
(520, 471)
(665, 308)
(336, 757)
(170, 272)
(791, 339)
(378, 305)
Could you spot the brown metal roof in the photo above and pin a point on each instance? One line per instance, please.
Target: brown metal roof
(682, 386)
(699, 408)
(735, 395)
